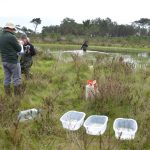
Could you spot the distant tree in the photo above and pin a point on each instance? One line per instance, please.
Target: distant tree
(86, 23)
(68, 26)
(124, 30)
(18, 27)
(50, 29)
(36, 22)
(102, 27)
(143, 26)
(143, 22)
(93, 28)
(24, 29)
(30, 31)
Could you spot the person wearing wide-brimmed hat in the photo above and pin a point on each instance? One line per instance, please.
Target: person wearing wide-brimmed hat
(9, 47)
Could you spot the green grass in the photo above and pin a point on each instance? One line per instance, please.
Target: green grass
(58, 86)
(95, 48)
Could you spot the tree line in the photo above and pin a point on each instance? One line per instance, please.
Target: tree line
(93, 28)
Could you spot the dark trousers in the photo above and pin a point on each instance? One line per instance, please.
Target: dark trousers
(12, 71)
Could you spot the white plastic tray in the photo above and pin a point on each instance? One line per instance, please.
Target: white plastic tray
(96, 124)
(124, 128)
(72, 120)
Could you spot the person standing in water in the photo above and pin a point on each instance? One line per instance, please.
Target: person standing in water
(84, 46)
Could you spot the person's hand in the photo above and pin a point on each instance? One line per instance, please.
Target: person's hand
(21, 42)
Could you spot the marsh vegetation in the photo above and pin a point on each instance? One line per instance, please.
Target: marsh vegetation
(58, 86)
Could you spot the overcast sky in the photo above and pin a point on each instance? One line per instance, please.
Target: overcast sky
(52, 12)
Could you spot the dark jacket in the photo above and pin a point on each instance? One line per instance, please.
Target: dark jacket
(26, 59)
(29, 49)
(84, 46)
(9, 46)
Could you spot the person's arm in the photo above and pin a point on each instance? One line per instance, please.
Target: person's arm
(32, 50)
(15, 43)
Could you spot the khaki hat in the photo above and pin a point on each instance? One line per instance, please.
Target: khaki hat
(10, 26)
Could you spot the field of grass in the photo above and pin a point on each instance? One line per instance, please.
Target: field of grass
(58, 86)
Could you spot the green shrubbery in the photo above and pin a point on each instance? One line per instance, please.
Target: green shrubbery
(59, 86)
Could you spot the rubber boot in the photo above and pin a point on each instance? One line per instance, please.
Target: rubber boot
(7, 89)
(19, 89)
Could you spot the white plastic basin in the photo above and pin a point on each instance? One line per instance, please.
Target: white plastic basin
(96, 124)
(72, 120)
(124, 128)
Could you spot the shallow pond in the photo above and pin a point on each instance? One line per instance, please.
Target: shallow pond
(138, 59)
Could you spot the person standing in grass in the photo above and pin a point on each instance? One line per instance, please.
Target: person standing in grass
(26, 59)
(9, 47)
(84, 46)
